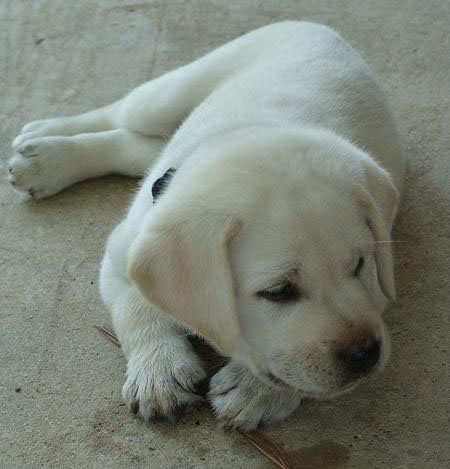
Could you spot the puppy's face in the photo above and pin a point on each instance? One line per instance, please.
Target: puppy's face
(277, 250)
(307, 290)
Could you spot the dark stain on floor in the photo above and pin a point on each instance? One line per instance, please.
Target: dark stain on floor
(325, 455)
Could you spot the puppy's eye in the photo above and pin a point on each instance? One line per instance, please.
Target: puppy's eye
(359, 267)
(283, 292)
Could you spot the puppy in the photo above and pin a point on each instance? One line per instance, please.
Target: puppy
(263, 225)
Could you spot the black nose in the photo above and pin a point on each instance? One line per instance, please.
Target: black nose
(362, 358)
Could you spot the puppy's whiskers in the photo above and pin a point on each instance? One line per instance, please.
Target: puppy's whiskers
(390, 242)
(217, 365)
(184, 335)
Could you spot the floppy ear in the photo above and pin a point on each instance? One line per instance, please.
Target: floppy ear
(383, 191)
(380, 224)
(381, 208)
(180, 263)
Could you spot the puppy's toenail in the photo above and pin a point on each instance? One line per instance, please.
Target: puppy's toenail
(179, 412)
(135, 407)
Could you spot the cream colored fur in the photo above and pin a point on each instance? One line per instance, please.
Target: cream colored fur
(288, 173)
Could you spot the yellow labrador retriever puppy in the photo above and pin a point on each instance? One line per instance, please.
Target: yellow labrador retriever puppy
(263, 225)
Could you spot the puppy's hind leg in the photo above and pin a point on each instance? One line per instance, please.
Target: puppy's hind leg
(43, 166)
(159, 106)
(155, 108)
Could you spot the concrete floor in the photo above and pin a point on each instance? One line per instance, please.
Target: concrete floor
(60, 380)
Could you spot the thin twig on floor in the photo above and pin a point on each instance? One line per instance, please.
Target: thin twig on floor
(268, 448)
(108, 334)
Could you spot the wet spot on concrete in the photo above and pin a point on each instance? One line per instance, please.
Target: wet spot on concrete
(325, 455)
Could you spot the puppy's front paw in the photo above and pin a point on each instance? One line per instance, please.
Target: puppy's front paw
(161, 381)
(240, 400)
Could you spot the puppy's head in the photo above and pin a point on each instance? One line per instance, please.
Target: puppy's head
(276, 249)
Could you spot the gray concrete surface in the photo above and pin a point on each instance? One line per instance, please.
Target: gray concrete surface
(60, 380)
